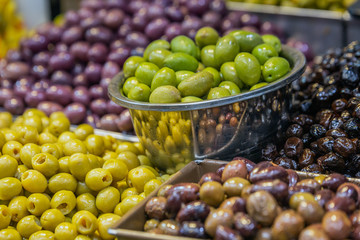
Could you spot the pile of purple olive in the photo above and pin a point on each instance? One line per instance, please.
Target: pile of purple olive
(68, 68)
(244, 200)
(324, 133)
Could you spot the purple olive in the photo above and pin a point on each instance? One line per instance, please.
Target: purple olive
(39, 71)
(250, 29)
(270, 28)
(96, 91)
(5, 94)
(135, 6)
(97, 53)
(93, 72)
(76, 112)
(110, 69)
(117, 43)
(61, 78)
(60, 94)
(121, 4)
(198, 7)
(174, 14)
(212, 19)
(173, 30)
(90, 22)
(323, 196)
(251, 20)
(15, 70)
(21, 90)
(85, 13)
(78, 68)
(38, 43)
(25, 81)
(119, 55)
(61, 61)
(107, 122)
(71, 18)
(80, 80)
(98, 106)
(93, 120)
(93, 4)
(42, 58)
(72, 35)
(114, 18)
(124, 122)
(155, 29)
(81, 95)
(105, 82)
(34, 97)
(80, 50)
(6, 83)
(101, 14)
(13, 55)
(191, 23)
(218, 6)
(124, 30)
(114, 108)
(41, 85)
(55, 33)
(136, 39)
(61, 47)
(14, 105)
(98, 34)
(49, 107)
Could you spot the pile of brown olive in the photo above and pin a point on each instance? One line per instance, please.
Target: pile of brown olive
(244, 200)
(324, 133)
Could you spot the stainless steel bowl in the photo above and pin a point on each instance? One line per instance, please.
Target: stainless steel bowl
(175, 134)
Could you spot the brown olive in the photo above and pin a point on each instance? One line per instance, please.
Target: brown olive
(218, 217)
(294, 130)
(331, 162)
(344, 146)
(192, 230)
(212, 193)
(245, 225)
(325, 144)
(269, 153)
(236, 168)
(169, 227)
(262, 207)
(311, 183)
(349, 190)
(209, 177)
(323, 196)
(234, 186)
(267, 171)
(312, 232)
(235, 204)
(333, 181)
(311, 212)
(336, 224)
(263, 234)
(249, 164)
(226, 233)
(336, 133)
(356, 233)
(306, 158)
(193, 211)
(287, 225)
(355, 218)
(293, 147)
(155, 208)
(151, 224)
(220, 170)
(293, 177)
(277, 188)
(341, 203)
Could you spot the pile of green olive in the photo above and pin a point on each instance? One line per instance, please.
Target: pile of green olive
(62, 184)
(211, 67)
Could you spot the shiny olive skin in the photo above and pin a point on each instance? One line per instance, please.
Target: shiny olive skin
(235, 185)
(264, 52)
(275, 68)
(155, 208)
(287, 225)
(208, 56)
(224, 232)
(193, 211)
(193, 229)
(235, 204)
(218, 217)
(336, 224)
(262, 207)
(244, 224)
(277, 188)
(267, 171)
(248, 68)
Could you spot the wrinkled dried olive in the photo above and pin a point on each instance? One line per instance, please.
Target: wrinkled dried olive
(325, 144)
(331, 162)
(344, 146)
(293, 147)
(294, 130)
(306, 158)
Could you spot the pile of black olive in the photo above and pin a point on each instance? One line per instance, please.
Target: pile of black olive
(244, 200)
(324, 133)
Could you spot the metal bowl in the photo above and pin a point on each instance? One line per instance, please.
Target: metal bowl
(175, 134)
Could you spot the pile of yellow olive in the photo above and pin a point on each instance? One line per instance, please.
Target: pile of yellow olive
(62, 184)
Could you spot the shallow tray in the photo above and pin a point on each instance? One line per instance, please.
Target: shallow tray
(131, 224)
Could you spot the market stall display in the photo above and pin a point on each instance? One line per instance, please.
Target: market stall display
(176, 133)
(243, 200)
(66, 184)
(324, 131)
(77, 60)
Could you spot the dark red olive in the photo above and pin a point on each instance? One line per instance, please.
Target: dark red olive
(245, 225)
(209, 177)
(192, 229)
(107, 122)
(323, 196)
(14, 105)
(226, 233)
(76, 112)
(235, 204)
(341, 203)
(193, 211)
(267, 171)
(124, 122)
(155, 208)
(333, 181)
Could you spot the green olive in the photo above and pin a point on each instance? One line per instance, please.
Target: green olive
(206, 36)
(264, 52)
(140, 92)
(218, 92)
(246, 40)
(131, 64)
(183, 44)
(157, 44)
(145, 72)
(248, 68)
(275, 68)
(165, 76)
(165, 94)
(230, 86)
(226, 49)
(207, 56)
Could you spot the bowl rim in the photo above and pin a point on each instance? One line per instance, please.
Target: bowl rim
(294, 56)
